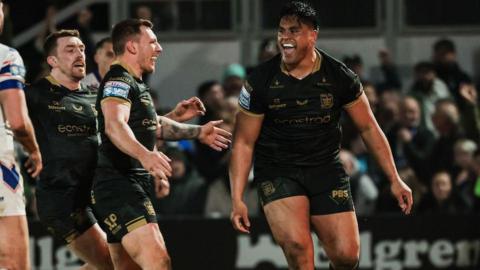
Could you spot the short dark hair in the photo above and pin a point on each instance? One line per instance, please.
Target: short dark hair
(204, 87)
(125, 30)
(303, 11)
(424, 67)
(102, 42)
(50, 44)
(444, 45)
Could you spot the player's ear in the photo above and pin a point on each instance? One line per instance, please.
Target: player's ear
(52, 61)
(131, 47)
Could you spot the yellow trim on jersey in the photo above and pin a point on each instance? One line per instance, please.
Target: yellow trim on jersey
(353, 102)
(136, 223)
(52, 80)
(120, 100)
(250, 113)
(316, 67)
(125, 66)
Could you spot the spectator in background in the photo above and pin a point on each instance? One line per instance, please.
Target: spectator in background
(38, 67)
(441, 199)
(218, 202)
(104, 57)
(233, 78)
(447, 68)
(476, 189)
(187, 189)
(391, 79)
(211, 164)
(212, 95)
(463, 173)
(428, 89)
(268, 49)
(411, 143)
(82, 24)
(7, 32)
(446, 120)
(364, 190)
(471, 112)
(355, 63)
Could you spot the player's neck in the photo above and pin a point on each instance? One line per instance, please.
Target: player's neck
(131, 65)
(64, 80)
(102, 71)
(304, 67)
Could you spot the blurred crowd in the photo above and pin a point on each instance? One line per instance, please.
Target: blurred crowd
(432, 125)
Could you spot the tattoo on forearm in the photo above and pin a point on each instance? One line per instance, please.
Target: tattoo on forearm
(172, 130)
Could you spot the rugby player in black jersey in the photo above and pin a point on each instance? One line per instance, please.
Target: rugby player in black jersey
(128, 158)
(289, 121)
(64, 115)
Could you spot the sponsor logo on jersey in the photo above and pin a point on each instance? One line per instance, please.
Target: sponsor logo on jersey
(276, 85)
(244, 98)
(116, 89)
(77, 107)
(56, 106)
(304, 120)
(75, 130)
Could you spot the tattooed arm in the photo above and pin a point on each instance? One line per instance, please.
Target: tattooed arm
(171, 130)
(209, 134)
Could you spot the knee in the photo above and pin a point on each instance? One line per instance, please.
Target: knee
(295, 247)
(346, 258)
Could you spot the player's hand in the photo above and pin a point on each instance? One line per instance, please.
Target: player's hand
(162, 188)
(239, 217)
(187, 109)
(403, 194)
(34, 164)
(157, 164)
(216, 138)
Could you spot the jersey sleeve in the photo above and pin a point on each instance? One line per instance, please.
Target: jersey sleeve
(12, 71)
(352, 87)
(252, 97)
(119, 88)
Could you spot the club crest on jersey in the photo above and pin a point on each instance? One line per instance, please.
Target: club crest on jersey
(326, 101)
(267, 188)
(116, 89)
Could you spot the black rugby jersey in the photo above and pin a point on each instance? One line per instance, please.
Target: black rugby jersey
(122, 85)
(301, 117)
(65, 125)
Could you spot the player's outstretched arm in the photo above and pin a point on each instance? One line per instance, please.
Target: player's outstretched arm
(15, 109)
(187, 109)
(116, 116)
(209, 134)
(247, 129)
(377, 144)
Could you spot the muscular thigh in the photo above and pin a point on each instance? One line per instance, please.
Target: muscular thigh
(122, 205)
(14, 239)
(65, 211)
(289, 219)
(337, 232)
